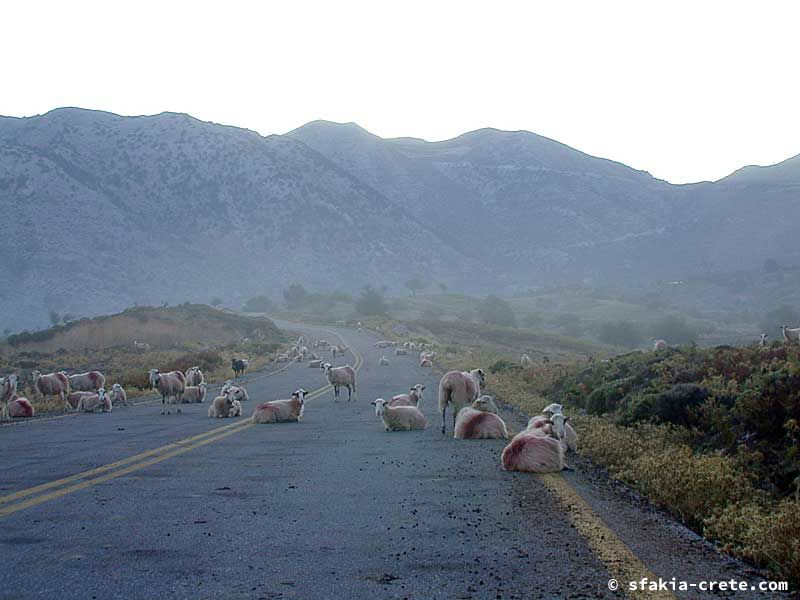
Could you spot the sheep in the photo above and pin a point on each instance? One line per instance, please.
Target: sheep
(425, 362)
(94, 402)
(763, 341)
(341, 376)
(399, 418)
(413, 398)
(790, 335)
(659, 345)
(480, 421)
(52, 384)
(534, 451)
(8, 392)
(236, 408)
(316, 363)
(322, 344)
(459, 388)
(74, 398)
(194, 393)
(400, 352)
(525, 361)
(19, 407)
(140, 346)
(281, 411)
(238, 392)
(118, 395)
(282, 358)
(194, 377)
(553, 415)
(552, 409)
(87, 382)
(383, 344)
(334, 350)
(169, 385)
(383, 361)
(239, 366)
(427, 354)
(221, 407)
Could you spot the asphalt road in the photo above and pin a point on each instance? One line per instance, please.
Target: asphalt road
(332, 507)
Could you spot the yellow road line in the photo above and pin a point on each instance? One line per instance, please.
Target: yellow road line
(137, 461)
(618, 558)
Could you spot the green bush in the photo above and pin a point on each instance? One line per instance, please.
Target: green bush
(673, 405)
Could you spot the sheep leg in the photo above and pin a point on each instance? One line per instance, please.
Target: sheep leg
(163, 405)
(178, 398)
(349, 393)
(444, 411)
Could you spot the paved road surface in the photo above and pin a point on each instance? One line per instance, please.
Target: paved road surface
(332, 507)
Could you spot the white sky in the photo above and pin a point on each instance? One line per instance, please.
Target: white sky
(686, 90)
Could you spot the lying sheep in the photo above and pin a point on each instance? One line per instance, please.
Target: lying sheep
(341, 376)
(399, 418)
(19, 407)
(553, 414)
(194, 394)
(87, 382)
(52, 384)
(534, 451)
(281, 411)
(790, 335)
(480, 421)
(383, 362)
(74, 398)
(316, 363)
(425, 362)
(413, 398)
(194, 377)
(222, 407)
(282, 358)
(238, 392)
(236, 408)
(118, 395)
(459, 388)
(95, 402)
(400, 352)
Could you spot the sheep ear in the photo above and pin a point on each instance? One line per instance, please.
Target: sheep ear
(372, 402)
(566, 419)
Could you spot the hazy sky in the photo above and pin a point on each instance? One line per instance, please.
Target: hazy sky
(686, 90)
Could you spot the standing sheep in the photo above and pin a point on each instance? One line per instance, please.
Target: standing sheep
(383, 362)
(239, 366)
(525, 361)
(194, 376)
(118, 395)
(8, 392)
(480, 421)
(763, 341)
(169, 385)
(52, 384)
(87, 382)
(413, 398)
(459, 388)
(399, 418)
(281, 411)
(341, 376)
(790, 335)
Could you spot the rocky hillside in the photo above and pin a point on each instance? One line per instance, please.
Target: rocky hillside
(102, 212)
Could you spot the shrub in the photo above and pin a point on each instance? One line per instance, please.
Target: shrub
(604, 399)
(673, 405)
(496, 311)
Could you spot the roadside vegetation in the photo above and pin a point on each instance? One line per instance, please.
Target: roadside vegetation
(169, 338)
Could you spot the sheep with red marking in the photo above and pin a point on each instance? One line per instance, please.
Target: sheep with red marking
(169, 385)
(281, 411)
(341, 377)
(87, 382)
(459, 388)
(480, 421)
(659, 345)
(118, 395)
(52, 384)
(95, 402)
(413, 398)
(399, 418)
(20, 407)
(534, 451)
(8, 392)
(74, 398)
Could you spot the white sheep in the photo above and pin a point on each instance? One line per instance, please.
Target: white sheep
(399, 418)
(8, 391)
(223, 407)
(534, 451)
(480, 421)
(525, 361)
(413, 398)
(790, 335)
(87, 382)
(118, 395)
(194, 377)
(95, 402)
(659, 345)
(238, 392)
(459, 388)
(763, 341)
(281, 411)
(193, 394)
(383, 361)
(341, 376)
(169, 385)
(52, 384)
(140, 346)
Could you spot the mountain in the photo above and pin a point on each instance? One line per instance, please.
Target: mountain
(103, 211)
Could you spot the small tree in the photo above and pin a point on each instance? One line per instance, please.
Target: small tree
(216, 301)
(260, 303)
(296, 296)
(415, 284)
(496, 311)
(55, 318)
(371, 303)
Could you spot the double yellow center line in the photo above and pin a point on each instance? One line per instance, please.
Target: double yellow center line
(52, 490)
